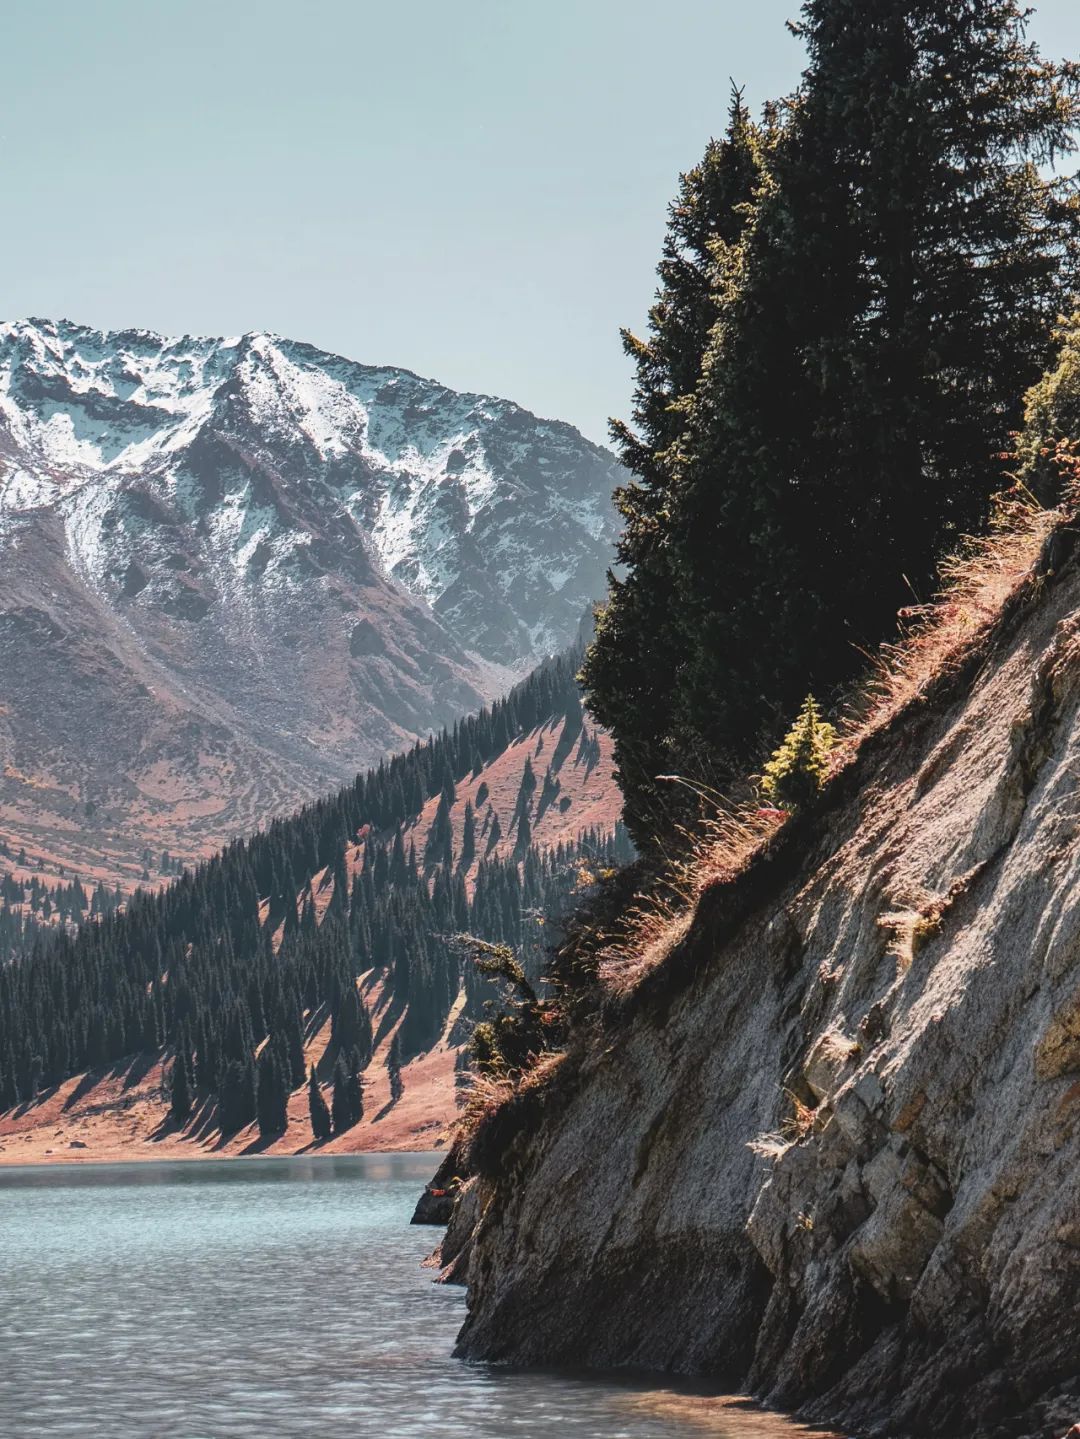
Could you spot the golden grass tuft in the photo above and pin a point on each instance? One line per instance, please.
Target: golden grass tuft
(716, 853)
(484, 1094)
(981, 576)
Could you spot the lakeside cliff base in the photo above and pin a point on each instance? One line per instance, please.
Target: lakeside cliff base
(826, 1149)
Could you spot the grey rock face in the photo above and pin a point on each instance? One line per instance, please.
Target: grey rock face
(900, 1253)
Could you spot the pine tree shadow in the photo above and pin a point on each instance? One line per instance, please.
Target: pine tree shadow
(90, 1080)
(260, 1143)
(317, 1017)
(140, 1067)
(385, 1110)
(194, 1128)
(166, 1126)
(201, 1124)
(390, 1016)
(311, 1147)
(26, 1105)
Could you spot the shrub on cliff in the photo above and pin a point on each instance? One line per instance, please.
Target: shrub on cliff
(797, 770)
(1048, 449)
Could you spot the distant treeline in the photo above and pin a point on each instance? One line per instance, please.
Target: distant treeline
(232, 964)
(29, 907)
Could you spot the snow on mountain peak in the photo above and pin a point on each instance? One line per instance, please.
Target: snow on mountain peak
(438, 481)
(235, 570)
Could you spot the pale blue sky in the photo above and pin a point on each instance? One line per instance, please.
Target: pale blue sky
(474, 189)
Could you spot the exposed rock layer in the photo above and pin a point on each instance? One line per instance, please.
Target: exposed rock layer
(905, 1257)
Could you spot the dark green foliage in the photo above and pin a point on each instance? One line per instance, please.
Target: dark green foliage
(468, 838)
(180, 1091)
(320, 1114)
(526, 789)
(350, 1026)
(236, 1095)
(346, 1107)
(393, 1068)
(1049, 445)
(27, 906)
(631, 669)
(440, 843)
(512, 1034)
(272, 1091)
(877, 321)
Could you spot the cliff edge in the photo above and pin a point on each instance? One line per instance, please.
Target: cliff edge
(828, 1148)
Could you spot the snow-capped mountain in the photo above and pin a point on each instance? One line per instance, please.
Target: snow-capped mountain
(235, 570)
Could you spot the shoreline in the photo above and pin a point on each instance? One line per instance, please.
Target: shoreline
(80, 1160)
(75, 1162)
(121, 1116)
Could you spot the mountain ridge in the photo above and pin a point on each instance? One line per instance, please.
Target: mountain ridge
(237, 571)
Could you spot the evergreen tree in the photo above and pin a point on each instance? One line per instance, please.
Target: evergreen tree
(236, 1098)
(345, 1105)
(393, 1069)
(272, 1093)
(468, 838)
(877, 321)
(1049, 446)
(320, 1114)
(180, 1091)
(797, 770)
(631, 667)
(896, 289)
(440, 841)
(207, 968)
(356, 1087)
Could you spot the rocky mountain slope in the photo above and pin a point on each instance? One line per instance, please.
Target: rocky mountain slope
(234, 572)
(825, 1145)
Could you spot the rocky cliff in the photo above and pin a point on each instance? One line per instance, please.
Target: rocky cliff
(235, 571)
(828, 1148)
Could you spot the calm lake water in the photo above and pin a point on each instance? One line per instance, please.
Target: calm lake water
(263, 1298)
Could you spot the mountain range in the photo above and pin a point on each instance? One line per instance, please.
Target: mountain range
(233, 572)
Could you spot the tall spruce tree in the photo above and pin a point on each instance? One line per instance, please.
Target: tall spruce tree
(346, 1105)
(320, 1114)
(236, 1095)
(272, 1091)
(630, 670)
(393, 1068)
(877, 324)
(180, 1090)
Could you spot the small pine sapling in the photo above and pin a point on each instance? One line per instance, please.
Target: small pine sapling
(797, 770)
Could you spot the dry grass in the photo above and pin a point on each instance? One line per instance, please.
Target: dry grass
(720, 850)
(978, 580)
(486, 1094)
